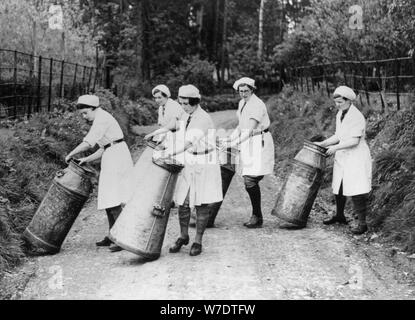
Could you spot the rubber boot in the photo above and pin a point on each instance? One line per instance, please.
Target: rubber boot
(360, 207)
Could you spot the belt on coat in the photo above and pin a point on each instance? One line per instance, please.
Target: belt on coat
(261, 133)
(112, 143)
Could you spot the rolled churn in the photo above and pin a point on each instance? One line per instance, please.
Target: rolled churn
(142, 224)
(227, 170)
(296, 197)
(58, 210)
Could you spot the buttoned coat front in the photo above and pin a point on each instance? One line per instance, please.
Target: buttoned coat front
(353, 165)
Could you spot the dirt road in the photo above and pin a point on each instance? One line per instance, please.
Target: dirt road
(317, 262)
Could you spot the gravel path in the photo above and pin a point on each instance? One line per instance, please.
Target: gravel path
(317, 262)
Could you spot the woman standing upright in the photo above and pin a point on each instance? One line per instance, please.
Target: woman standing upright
(199, 184)
(352, 170)
(168, 110)
(116, 162)
(256, 146)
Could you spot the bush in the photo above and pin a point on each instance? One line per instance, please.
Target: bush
(194, 71)
(296, 116)
(142, 112)
(41, 143)
(220, 102)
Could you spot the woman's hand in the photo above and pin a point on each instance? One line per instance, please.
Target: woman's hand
(331, 150)
(68, 158)
(223, 144)
(81, 161)
(147, 137)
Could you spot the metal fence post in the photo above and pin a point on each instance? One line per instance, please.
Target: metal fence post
(380, 86)
(83, 80)
(344, 73)
(39, 84)
(301, 80)
(74, 80)
(89, 79)
(312, 78)
(325, 80)
(50, 83)
(364, 82)
(29, 103)
(61, 87)
(95, 79)
(397, 71)
(15, 84)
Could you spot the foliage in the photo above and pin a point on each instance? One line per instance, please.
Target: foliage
(42, 143)
(17, 20)
(220, 102)
(324, 34)
(296, 116)
(195, 71)
(244, 60)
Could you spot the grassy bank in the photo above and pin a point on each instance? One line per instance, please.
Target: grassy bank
(297, 116)
(32, 151)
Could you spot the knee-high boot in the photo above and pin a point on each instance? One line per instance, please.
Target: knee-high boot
(202, 219)
(184, 220)
(360, 207)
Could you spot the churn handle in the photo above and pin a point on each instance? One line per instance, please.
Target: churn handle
(158, 210)
(311, 177)
(60, 173)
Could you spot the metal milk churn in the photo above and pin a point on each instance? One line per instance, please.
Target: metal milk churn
(297, 195)
(58, 210)
(142, 224)
(227, 170)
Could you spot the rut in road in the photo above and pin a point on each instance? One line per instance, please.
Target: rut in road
(236, 263)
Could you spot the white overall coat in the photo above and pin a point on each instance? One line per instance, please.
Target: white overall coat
(353, 165)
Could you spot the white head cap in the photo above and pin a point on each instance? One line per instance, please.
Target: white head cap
(189, 91)
(245, 80)
(161, 88)
(89, 100)
(345, 92)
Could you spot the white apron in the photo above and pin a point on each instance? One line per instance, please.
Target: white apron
(353, 166)
(201, 176)
(256, 154)
(115, 179)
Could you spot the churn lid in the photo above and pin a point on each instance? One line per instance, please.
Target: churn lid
(80, 169)
(314, 147)
(169, 164)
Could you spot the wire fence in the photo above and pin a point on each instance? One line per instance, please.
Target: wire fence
(29, 83)
(391, 80)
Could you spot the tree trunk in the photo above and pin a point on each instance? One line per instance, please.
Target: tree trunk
(222, 58)
(260, 35)
(145, 66)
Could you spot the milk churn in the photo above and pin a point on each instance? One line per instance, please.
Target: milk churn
(58, 210)
(227, 170)
(142, 224)
(297, 195)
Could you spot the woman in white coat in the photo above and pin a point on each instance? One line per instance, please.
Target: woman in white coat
(168, 110)
(352, 170)
(256, 146)
(116, 162)
(199, 184)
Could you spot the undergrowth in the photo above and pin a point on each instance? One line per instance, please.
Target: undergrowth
(297, 116)
(32, 154)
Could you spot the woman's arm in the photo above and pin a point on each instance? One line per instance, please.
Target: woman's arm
(352, 142)
(95, 156)
(171, 126)
(84, 146)
(329, 141)
(244, 134)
